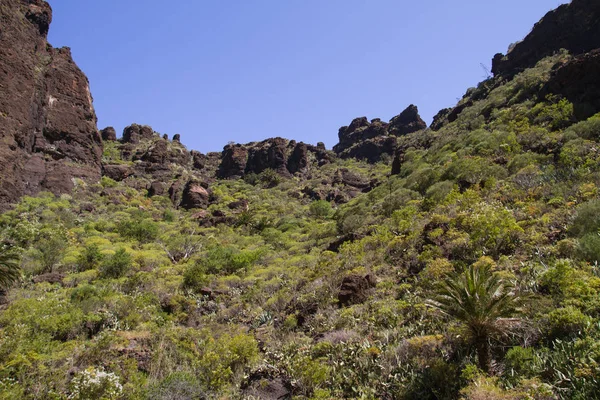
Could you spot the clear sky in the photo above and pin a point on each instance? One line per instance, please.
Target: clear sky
(236, 70)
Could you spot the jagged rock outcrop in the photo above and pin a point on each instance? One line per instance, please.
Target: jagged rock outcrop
(281, 155)
(440, 119)
(270, 153)
(233, 161)
(48, 133)
(408, 121)
(298, 160)
(134, 133)
(109, 134)
(578, 80)
(199, 160)
(370, 141)
(574, 26)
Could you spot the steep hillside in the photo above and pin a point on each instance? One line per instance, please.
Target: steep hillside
(455, 261)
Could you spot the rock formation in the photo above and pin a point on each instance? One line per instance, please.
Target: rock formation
(109, 134)
(578, 80)
(574, 26)
(281, 155)
(370, 141)
(47, 122)
(408, 121)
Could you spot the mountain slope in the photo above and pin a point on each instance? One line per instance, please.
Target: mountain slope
(282, 270)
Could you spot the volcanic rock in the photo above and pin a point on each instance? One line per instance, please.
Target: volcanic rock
(48, 133)
(270, 153)
(408, 121)
(579, 81)
(440, 119)
(198, 159)
(156, 189)
(574, 27)
(195, 195)
(298, 161)
(117, 172)
(108, 134)
(233, 161)
(134, 133)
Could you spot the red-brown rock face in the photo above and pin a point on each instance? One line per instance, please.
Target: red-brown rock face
(48, 133)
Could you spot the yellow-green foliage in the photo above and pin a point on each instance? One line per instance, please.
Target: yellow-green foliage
(137, 299)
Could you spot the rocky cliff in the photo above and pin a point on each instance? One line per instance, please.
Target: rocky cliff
(48, 134)
(574, 27)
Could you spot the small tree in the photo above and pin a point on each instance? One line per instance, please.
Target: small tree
(478, 299)
(116, 265)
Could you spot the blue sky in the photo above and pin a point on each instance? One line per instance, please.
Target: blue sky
(238, 70)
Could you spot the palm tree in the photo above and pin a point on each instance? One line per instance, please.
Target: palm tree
(479, 299)
(9, 267)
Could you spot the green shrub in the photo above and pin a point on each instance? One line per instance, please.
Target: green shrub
(587, 219)
(116, 265)
(50, 250)
(194, 277)
(179, 385)
(589, 129)
(252, 178)
(588, 247)
(320, 209)
(89, 258)
(519, 363)
(141, 229)
(269, 178)
(566, 322)
(106, 182)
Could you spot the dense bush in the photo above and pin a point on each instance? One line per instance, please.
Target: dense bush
(116, 265)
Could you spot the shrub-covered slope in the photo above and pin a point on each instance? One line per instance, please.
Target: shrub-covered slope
(467, 269)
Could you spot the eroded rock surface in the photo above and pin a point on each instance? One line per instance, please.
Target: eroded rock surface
(574, 27)
(48, 133)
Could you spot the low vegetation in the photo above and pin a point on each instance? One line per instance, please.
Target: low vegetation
(484, 253)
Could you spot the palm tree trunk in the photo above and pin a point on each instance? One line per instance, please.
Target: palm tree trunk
(483, 354)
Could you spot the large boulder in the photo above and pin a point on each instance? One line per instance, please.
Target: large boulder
(117, 172)
(364, 140)
(48, 133)
(195, 195)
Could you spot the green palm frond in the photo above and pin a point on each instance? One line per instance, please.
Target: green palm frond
(477, 298)
(10, 270)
